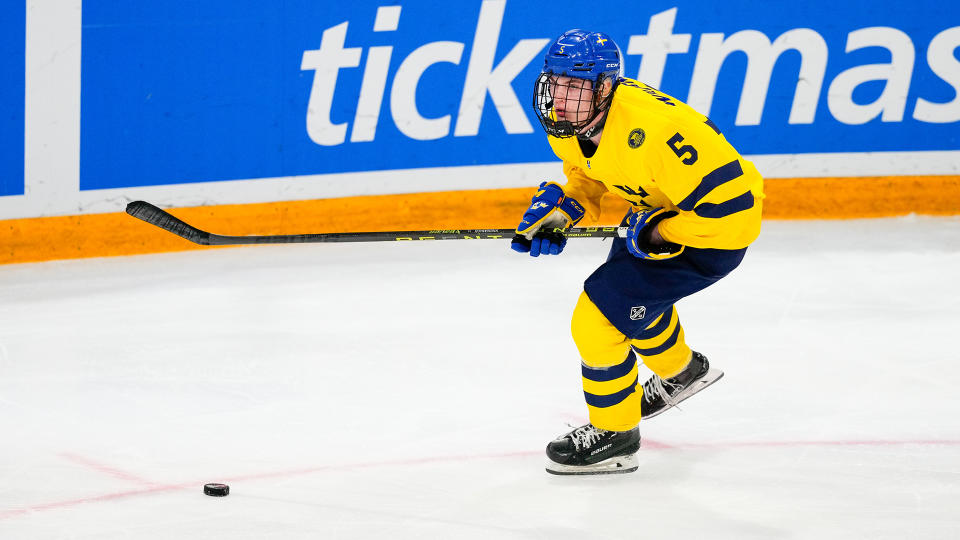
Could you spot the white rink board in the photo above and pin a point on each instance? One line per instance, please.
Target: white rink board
(407, 391)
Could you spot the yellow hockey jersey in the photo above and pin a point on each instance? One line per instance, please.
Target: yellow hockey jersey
(656, 151)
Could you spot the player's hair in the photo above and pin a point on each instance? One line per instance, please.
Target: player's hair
(579, 54)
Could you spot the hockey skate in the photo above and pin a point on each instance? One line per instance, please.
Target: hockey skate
(590, 450)
(662, 394)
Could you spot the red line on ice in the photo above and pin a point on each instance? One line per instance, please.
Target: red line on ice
(114, 472)
(652, 445)
(159, 488)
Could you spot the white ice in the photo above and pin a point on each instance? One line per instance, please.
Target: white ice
(407, 390)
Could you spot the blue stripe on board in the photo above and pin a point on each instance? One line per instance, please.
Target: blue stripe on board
(12, 67)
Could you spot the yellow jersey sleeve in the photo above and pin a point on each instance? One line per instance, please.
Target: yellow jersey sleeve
(720, 211)
(587, 191)
(718, 195)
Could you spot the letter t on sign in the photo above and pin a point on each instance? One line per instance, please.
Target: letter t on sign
(326, 63)
(656, 45)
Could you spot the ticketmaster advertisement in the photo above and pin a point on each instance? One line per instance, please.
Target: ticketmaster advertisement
(211, 91)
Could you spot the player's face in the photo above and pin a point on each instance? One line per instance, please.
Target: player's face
(572, 99)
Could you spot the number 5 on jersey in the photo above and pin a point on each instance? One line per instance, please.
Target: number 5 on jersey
(675, 144)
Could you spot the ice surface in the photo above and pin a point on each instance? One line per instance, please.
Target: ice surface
(407, 391)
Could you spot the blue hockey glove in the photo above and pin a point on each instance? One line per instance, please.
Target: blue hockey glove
(640, 226)
(550, 210)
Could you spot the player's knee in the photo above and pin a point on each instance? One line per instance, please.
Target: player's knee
(599, 342)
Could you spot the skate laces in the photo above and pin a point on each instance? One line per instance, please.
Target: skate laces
(655, 387)
(585, 436)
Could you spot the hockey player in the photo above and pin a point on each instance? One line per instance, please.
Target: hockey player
(696, 207)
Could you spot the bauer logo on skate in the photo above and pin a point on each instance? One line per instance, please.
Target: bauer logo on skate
(601, 449)
(285, 90)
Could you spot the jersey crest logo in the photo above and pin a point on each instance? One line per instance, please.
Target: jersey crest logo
(637, 312)
(636, 138)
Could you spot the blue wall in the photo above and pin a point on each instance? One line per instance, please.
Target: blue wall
(12, 43)
(215, 90)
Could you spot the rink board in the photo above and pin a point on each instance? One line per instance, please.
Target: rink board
(245, 103)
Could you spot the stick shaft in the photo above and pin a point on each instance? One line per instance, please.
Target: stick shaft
(160, 218)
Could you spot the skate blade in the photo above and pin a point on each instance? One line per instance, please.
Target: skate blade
(614, 465)
(713, 375)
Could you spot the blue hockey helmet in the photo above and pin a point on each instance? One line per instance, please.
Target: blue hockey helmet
(584, 55)
(579, 54)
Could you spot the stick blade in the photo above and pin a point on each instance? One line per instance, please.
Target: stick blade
(157, 217)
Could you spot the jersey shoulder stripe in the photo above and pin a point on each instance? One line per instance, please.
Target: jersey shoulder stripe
(719, 176)
(727, 208)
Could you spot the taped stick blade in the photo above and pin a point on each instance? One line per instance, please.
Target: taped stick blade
(157, 217)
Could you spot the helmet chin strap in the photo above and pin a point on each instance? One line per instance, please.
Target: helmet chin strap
(589, 132)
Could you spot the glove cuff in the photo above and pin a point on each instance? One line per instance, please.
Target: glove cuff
(568, 206)
(549, 208)
(572, 210)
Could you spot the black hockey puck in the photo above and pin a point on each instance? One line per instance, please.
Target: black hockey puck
(216, 490)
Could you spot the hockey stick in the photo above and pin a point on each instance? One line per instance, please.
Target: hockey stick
(160, 218)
